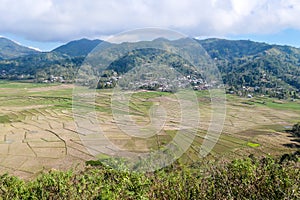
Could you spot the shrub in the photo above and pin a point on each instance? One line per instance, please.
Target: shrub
(248, 178)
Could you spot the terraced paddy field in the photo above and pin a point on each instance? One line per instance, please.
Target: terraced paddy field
(39, 130)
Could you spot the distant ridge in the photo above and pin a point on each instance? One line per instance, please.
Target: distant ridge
(78, 48)
(233, 48)
(10, 49)
(245, 66)
(244, 63)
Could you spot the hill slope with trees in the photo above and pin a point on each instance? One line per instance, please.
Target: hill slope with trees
(245, 66)
(10, 49)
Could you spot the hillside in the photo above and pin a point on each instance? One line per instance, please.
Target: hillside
(77, 48)
(246, 66)
(40, 67)
(10, 49)
(258, 66)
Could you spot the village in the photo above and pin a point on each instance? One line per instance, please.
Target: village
(149, 81)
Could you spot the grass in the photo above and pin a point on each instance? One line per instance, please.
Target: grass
(4, 119)
(150, 94)
(23, 85)
(36, 100)
(274, 104)
(250, 144)
(266, 102)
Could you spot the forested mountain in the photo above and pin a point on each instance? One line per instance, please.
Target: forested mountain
(10, 49)
(40, 67)
(256, 65)
(78, 47)
(245, 66)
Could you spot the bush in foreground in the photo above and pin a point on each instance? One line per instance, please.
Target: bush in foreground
(249, 178)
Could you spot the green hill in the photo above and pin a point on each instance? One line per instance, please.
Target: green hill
(246, 66)
(230, 49)
(256, 65)
(77, 48)
(40, 67)
(10, 49)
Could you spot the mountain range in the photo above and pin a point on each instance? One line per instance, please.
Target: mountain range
(256, 66)
(10, 49)
(77, 48)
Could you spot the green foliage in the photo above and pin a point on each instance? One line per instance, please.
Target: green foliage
(40, 67)
(255, 179)
(78, 48)
(296, 130)
(54, 185)
(4, 119)
(248, 178)
(13, 188)
(252, 67)
(250, 144)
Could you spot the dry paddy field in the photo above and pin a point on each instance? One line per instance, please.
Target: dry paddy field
(39, 130)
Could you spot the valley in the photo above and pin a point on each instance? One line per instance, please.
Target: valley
(38, 130)
(75, 125)
(142, 100)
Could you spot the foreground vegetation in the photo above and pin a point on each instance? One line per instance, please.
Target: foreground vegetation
(248, 178)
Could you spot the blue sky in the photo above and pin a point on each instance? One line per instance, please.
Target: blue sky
(49, 23)
(285, 37)
(37, 45)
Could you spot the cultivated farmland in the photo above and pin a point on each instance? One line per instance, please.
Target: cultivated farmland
(38, 131)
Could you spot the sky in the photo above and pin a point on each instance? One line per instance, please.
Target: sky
(49, 23)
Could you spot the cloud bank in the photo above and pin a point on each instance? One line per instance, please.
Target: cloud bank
(62, 20)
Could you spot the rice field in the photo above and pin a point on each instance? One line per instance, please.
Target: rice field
(39, 130)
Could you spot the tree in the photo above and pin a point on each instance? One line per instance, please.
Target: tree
(296, 130)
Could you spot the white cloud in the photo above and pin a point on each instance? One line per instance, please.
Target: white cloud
(62, 20)
(35, 48)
